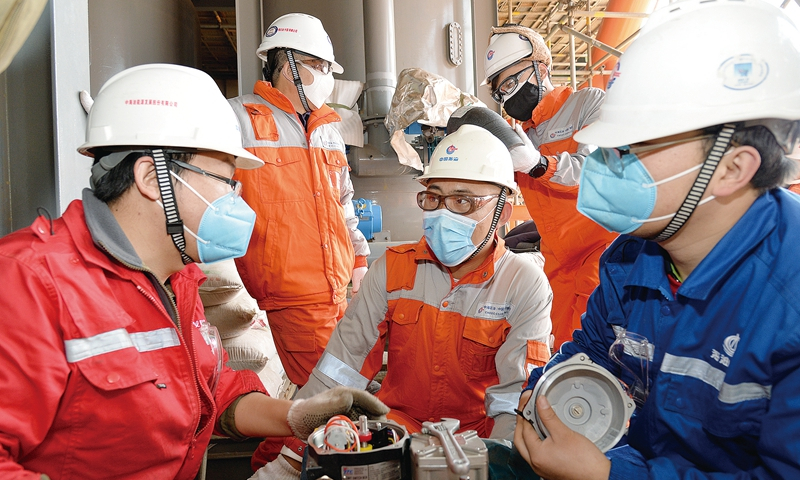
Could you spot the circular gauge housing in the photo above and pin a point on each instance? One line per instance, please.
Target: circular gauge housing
(587, 398)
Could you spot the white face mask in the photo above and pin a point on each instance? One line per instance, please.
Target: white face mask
(320, 89)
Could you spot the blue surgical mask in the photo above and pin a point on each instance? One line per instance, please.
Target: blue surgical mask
(225, 227)
(450, 235)
(621, 202)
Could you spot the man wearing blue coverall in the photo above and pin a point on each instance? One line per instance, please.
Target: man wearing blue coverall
(700, 112)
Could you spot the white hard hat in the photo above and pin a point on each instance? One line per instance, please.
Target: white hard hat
(697, 64)
(298, 31)
(471, 153)
(510, 44)
(169, 106)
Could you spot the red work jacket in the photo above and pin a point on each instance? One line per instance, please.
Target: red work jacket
(96, 380)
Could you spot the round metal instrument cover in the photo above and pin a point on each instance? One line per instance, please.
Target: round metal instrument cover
(587, 398)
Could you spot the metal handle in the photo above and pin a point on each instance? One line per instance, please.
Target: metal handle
(457, 461)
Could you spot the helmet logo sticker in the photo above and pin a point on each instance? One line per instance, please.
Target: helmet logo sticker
(271, 31)
(329, 40)
(451, 149)
(743, 72)
(489, 54)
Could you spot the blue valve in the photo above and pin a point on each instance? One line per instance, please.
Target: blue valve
(370, 218)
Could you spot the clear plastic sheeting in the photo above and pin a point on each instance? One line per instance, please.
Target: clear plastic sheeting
(343, 101)
(425, 98)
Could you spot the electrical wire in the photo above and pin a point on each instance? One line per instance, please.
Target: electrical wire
(340, 424)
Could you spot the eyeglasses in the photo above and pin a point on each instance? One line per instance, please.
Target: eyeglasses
(460, 204)
(613, 156)
(508, 85)
(321, 66)
(235, 184)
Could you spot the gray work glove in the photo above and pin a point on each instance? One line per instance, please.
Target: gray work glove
(524, 156)
(306, 415)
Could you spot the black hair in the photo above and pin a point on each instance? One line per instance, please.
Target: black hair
(276, 59)
(111, 186)
(776, 169)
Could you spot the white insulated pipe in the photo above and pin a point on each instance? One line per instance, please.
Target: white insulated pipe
(380, 58)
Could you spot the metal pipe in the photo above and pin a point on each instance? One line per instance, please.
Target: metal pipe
(589, 50)
(585, 13)
(380, 58)
(550, 35)
(590, 40)
(622, 44)
(573, 72)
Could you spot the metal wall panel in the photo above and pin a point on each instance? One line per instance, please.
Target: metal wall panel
(125, 33)
(28, 175)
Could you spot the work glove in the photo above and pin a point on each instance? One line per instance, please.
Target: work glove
(358, 276)
(525, 156)
(278, 469)
(306, 415)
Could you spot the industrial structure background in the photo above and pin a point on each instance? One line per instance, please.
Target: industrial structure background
(78, 44)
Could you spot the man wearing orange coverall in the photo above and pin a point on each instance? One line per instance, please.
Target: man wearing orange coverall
(464, 318)
(306, 245)
(517, 64)
(109, 367)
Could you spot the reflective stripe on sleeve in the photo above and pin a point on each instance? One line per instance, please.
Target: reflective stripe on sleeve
(340, 372)
(703, 371)
(79, 349)
(497, 403)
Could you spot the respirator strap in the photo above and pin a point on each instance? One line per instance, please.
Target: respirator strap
(700, 183)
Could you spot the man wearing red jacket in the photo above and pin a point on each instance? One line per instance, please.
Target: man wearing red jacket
(517, 65)
(109, 367)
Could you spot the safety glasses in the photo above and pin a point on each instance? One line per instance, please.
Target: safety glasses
(321, 66)
(234, 184)
(508, 85)
(633, 353)
(613, 157)
(460, 204)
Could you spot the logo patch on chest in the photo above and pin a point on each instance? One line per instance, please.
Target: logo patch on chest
(493, 311)
(560, 133)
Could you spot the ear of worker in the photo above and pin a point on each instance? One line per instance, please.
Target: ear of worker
(306, 415)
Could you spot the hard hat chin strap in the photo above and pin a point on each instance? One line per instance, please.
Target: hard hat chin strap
(692, 200)
(298, 83)
(498, 210)
(174, 222)
(538, 81)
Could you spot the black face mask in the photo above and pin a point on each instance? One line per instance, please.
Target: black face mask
(520, 105)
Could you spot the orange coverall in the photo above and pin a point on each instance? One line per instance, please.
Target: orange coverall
(571, 243)
(306, 241)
